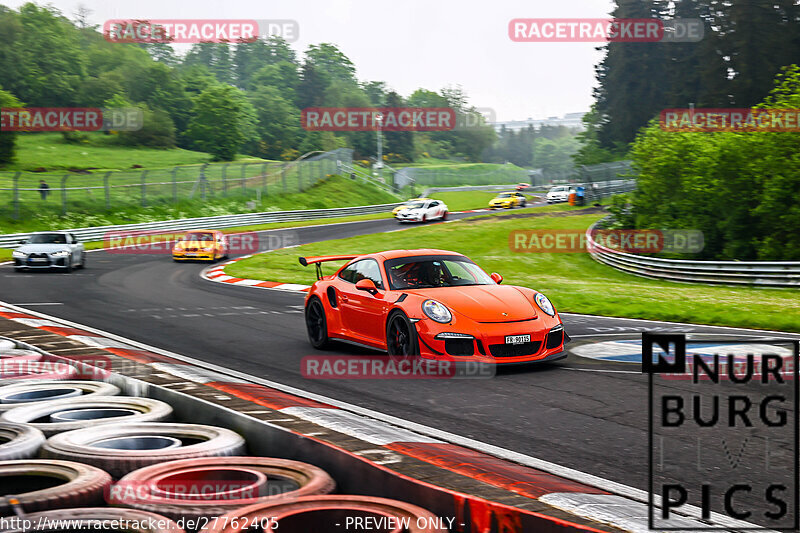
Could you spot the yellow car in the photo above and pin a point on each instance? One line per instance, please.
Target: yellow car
(201, 244)
(406, 203)
(508, 200)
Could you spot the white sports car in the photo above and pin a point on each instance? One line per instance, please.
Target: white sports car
(49, 249)
(422, 211)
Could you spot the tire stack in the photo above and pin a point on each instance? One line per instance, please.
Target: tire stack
(18, 363)
(69, 448)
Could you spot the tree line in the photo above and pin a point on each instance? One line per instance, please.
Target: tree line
(221, 98)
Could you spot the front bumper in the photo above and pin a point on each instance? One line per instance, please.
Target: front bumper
(487, 345)
(46, 264)
(408, 218)
(193, 256)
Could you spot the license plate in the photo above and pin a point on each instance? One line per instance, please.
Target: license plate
(191, 255)
(38, 260)
(517, 339)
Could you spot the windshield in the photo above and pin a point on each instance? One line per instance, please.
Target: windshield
(504, 195)
(203, 237)
(415, 205)
(427, 271)
(47, 238)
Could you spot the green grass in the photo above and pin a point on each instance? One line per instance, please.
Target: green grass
(574, 282)
(49, 151)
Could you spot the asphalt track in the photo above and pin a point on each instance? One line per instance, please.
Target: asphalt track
(582, 413)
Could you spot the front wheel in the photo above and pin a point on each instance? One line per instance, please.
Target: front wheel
(444, 216)
(524, 203)
(401, 337)
(316, 324)
(83, 260)
(68, 268)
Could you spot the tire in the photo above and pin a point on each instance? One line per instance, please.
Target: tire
(424, 218)
(401, 336)
(317, 513)
(17, 354)
(19, 441)
(444, 216)
(45, 484)
(300, 478)
(47, 391)
(89, 518)
(14, 371)
(83, 260)
(144, 410)
(81, 445)
(524, 203)
(68, 267)
(317, 324)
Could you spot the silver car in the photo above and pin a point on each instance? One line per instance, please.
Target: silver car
(50, 249)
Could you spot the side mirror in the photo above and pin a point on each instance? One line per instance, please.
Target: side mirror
(497, 278)
(23, 241)
(366, 285)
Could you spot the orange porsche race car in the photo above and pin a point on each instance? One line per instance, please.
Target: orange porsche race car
(432, 303)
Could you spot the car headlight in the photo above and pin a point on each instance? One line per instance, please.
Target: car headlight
(60, 253)
(18, 254)
(436, 311)
(209, 249)
(544, 304)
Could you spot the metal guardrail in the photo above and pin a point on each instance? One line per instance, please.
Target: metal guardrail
(754, 273)
(216, 222)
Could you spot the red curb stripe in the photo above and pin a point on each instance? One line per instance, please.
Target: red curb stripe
(492, 470)
(268, 284)
(232, 280)
(14, 314)
(66, 331)
(266, 396)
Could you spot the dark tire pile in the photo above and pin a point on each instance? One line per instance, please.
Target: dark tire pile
(77, 454)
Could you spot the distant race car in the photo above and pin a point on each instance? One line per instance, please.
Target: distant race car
(559, 193)
(406, 204)
(201, 244)
(422, 211)
(522, 186)
(49, 249)
(432, 303)
(508, 200)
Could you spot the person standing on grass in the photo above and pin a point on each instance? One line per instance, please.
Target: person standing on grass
(44, 189)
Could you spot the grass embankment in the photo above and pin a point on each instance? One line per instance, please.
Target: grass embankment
(573, 281)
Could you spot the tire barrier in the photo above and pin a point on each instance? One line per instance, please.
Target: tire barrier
(76, 413)
(41, 485)
(19, 441)
(120, 450)
(195, 488)
(329, 514)
(26, 392)
(15, 369)
(107, 519)
(17, 354)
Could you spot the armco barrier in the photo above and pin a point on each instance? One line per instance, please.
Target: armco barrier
(756, 273)
(222, 221)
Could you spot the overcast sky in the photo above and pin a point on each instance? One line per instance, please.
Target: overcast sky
(418, 43)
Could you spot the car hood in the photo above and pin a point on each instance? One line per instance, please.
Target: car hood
(42, 248)
(194, 244)
(485, 303)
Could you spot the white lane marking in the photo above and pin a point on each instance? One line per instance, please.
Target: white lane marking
(37, 322)
(98, 342)
(600, 370)
(222, 278)
(193, 374)
(615, 510)
(293, 286)
(762, 331)
(356, 426)
(503, 453)
(40, 303)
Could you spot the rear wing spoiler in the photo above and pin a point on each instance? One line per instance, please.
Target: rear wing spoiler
(305, 261)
